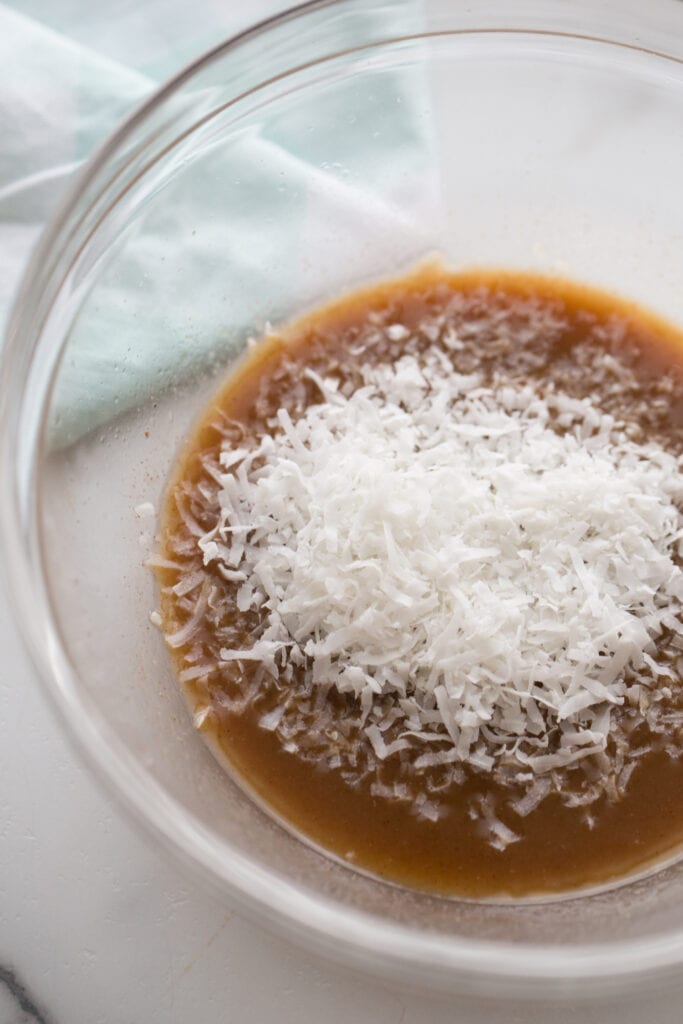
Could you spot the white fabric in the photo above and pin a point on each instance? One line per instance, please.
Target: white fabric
(71, 71)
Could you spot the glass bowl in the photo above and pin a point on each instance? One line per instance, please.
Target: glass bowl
(332, 145)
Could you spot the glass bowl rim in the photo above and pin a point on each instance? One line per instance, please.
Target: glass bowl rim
(447, 962)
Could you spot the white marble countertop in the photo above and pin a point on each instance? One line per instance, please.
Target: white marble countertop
(96, 927)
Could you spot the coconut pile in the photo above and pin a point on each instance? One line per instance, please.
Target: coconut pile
(491, 571)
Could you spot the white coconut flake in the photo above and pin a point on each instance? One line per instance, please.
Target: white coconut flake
(202, 717)
(145, 510)
(157, 561)
(499, 835)
(183, 635)
(271, 719)
(534, 795)
(188, 675)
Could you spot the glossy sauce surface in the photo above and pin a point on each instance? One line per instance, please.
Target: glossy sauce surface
(532, 329)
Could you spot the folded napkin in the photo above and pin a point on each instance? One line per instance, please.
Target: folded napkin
(188, 278)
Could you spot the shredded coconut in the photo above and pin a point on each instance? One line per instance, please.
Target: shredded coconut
(485, 567)
(145, 510)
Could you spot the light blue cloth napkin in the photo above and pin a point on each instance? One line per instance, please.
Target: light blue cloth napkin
(70, 72)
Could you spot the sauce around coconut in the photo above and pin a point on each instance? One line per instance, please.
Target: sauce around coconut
(398, 783)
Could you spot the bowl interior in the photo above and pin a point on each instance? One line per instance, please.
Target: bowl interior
(329, 149)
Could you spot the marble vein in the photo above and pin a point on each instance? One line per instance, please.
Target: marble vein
(21, 996)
